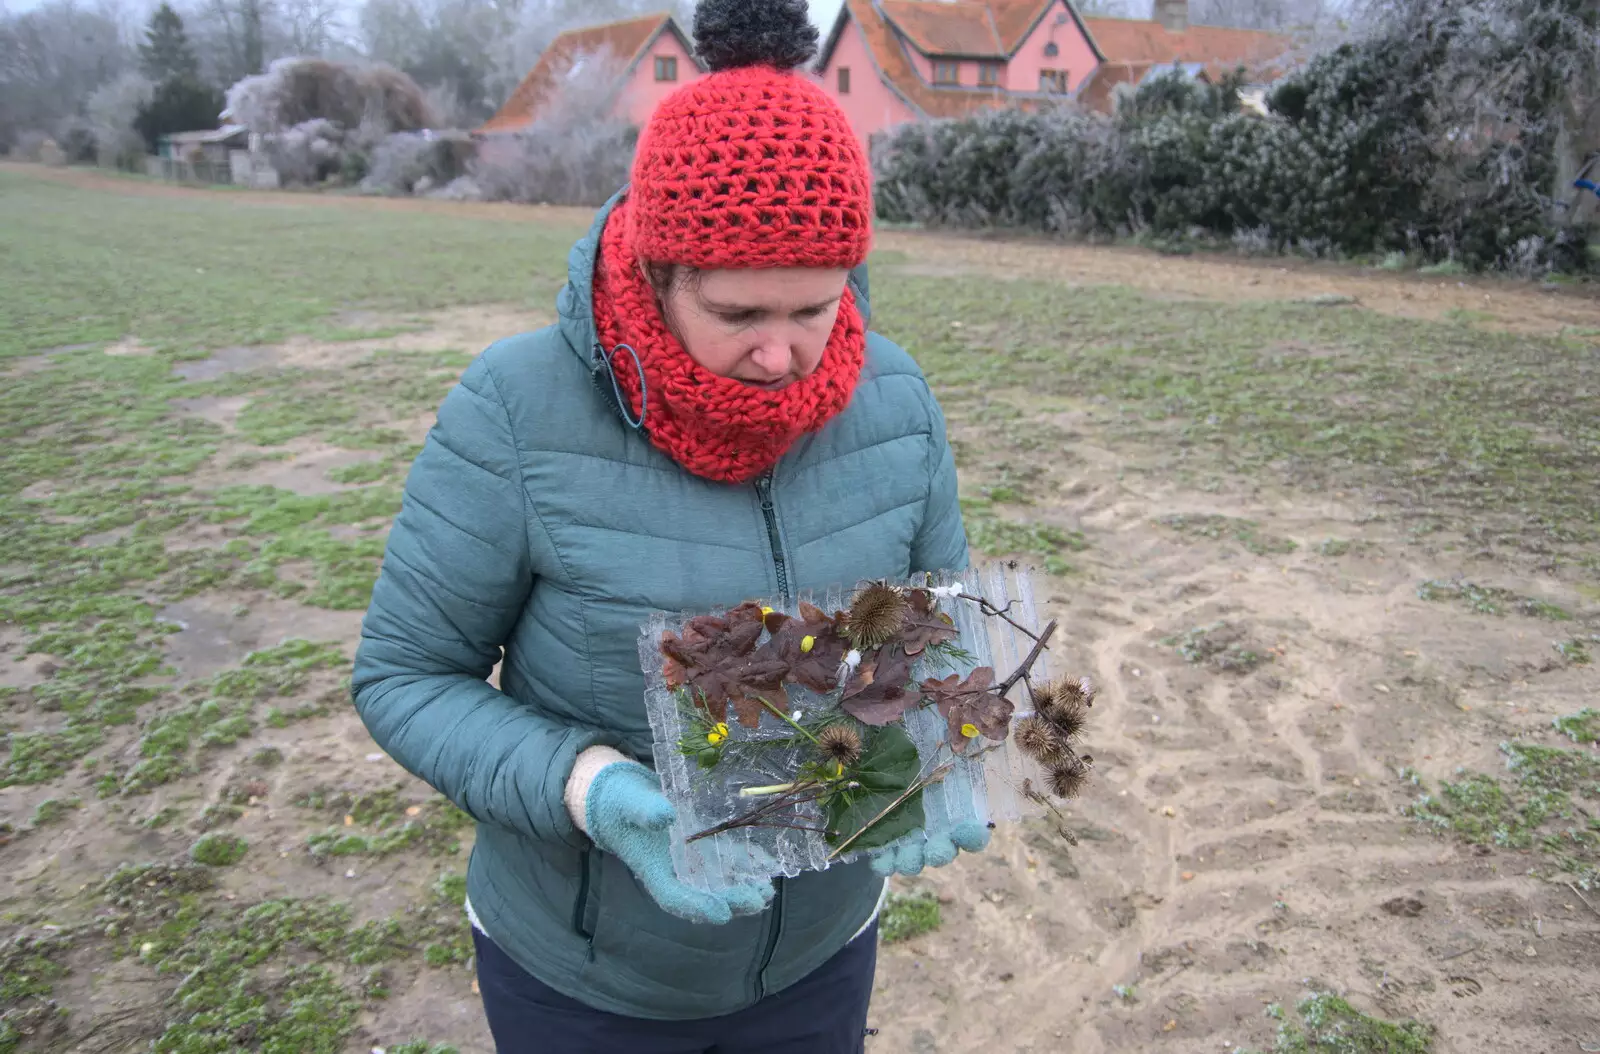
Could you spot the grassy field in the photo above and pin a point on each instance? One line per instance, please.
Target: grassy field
(209, 407)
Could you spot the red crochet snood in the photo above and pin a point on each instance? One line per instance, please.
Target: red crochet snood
(715, 427)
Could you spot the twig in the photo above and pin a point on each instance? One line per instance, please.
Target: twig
(933, 777)
(1586, 901)
(1033, 657)
(754, 816)
(796, 827)
(989, 609)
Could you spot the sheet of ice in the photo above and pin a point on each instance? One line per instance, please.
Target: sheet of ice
(985, 789)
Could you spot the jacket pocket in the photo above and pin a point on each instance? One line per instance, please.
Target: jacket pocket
(586, 908)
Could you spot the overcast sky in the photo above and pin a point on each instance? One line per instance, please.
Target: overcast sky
(823, 12)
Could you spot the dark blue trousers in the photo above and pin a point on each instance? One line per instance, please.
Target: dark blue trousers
(824, 1013)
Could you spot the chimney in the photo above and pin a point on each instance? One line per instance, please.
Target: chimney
(1172, 14)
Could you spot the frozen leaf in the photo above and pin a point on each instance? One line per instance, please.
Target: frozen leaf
(811, 646)
(713, 657)
(880, 691)
(888, 768)
(970, 702)
(925, 624)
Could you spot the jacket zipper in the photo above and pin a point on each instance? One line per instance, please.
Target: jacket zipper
(775, 926)
(770, 512)
(772, 937)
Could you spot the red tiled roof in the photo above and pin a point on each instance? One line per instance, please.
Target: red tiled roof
(1095, 93)
(1124, 40)
(946, 28)
(892, 62)
(1015, 19)
(1130, 48)
(625, 41)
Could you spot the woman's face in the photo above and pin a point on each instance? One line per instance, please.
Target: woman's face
(767, 328)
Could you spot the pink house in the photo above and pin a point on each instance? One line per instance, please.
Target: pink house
(892, 61)
(652, 56)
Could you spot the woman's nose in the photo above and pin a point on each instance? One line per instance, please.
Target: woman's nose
(774, 356)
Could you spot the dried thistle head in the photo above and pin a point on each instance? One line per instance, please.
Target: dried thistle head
(840, 743)
(876, 614)
(1067, 779)
(1039, 739)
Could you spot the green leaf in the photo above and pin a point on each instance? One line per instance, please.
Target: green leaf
(888, 767)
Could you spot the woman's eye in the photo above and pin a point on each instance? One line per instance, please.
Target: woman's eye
(739, 318)
(807, 314)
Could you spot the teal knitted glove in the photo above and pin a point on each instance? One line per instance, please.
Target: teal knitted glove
(628, 816)
(910, 855)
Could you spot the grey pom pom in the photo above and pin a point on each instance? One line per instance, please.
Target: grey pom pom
(733, 33)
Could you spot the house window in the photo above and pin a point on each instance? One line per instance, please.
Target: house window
(844, 80)
(1051, 50)
(989, 74)
(666, 67)
(1053, 82)
(945, 72)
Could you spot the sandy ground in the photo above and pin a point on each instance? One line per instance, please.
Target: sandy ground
(1242, 841)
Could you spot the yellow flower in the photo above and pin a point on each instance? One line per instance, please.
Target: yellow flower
(970, 730)
(807, 643)
(717, 734)
(765, 612)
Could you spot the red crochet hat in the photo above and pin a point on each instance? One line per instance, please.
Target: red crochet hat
(754, 165)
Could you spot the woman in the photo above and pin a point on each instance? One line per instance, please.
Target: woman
(708, 422)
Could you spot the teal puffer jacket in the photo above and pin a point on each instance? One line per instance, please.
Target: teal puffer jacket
(536, 520)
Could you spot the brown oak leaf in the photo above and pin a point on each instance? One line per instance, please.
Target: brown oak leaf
(970, 702)
(880, 690)
(925, 624)
(713, 657)
(817, 667)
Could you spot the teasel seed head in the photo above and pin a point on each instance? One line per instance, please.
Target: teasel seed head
(875, 616)
(1067, 779)
(840, 743)
(1039, 739)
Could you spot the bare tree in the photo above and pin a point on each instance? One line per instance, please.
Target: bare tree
(1106, 8)
(232, 37)
(111, 111)
(52, 58)
(312, 27)
(1277, 15)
